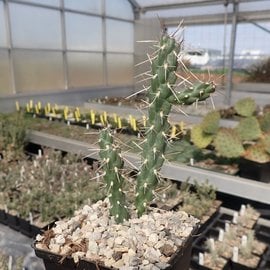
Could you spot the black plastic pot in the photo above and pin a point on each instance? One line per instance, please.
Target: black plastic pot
(3, 217)
(180, 260)
(22, 225)
(194, 264)
(239, 266)
(211, 219)
(254, 170)
(13, 222)
(262, 233)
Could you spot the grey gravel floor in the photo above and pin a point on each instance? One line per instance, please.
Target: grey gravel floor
(15, 244)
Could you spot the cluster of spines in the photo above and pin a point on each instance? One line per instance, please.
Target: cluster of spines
(113, 165)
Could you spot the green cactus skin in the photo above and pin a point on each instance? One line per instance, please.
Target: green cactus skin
(248, 129)
(245, 107)
(197, 92)
(161, 97)
(264, 121)
(266, 142)
(200, 138)
(111, 156)
(228, 143)
(257, 153)
(210, 123)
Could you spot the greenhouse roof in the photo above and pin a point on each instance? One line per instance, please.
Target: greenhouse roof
(209, 11)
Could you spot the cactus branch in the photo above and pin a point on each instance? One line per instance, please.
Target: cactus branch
(161, 98)
(111, 156)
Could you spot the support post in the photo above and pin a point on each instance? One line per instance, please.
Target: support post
(232, 52)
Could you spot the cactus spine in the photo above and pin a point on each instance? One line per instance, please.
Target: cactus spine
(113, 164)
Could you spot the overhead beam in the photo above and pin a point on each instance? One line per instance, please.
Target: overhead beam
(136, 8)
(188, 3)
(218, 18)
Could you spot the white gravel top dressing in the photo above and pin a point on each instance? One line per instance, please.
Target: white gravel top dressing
(145, 243)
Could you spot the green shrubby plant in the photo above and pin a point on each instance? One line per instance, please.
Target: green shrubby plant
(48, 187)
(12, 135)
(197, 198)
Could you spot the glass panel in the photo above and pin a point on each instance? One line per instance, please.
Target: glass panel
(83, 32)
(123, 42)
(3, 34)
(206, 37)
(5, 77)
(92, 6)
(252, 44)
(34, 27)
(253, 6)
(85, 69)
(122, 9)
(54, 3)
(120, 69)
(37, 71)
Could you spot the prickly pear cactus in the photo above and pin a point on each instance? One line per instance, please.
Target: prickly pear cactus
(210, 123)
(264, 121)
(257, 153)
(161, 96)
(248, 129)
(113, 165)
(245, 107)
(266, 142)
(200, 138)
(228, 143)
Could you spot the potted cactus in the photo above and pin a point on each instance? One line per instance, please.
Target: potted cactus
(248, 142)
(112, 234)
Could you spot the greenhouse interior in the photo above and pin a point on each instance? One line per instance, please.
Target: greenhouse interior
(134, 134)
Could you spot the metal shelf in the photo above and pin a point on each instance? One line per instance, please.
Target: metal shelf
(233, 185)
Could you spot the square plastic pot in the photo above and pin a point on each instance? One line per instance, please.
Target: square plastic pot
(254, 170)
(180, 260)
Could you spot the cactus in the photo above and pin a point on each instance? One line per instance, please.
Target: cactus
(111, 156)
(200, 138)
(210, 123)
(245, 107)
(266, 142)
(161, 96)
(228, 143)
(248, 129)
(257, 153)
(264, 121)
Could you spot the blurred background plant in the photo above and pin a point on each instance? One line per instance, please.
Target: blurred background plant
(259, 72)
(49, 187)
(12, 135)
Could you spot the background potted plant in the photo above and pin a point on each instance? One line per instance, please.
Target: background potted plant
(248, 142)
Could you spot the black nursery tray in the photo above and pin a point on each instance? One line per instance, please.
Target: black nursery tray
(195, 261)
(21, 225)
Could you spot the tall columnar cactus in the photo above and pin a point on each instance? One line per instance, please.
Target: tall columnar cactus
(113, 165)
(161, 96)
